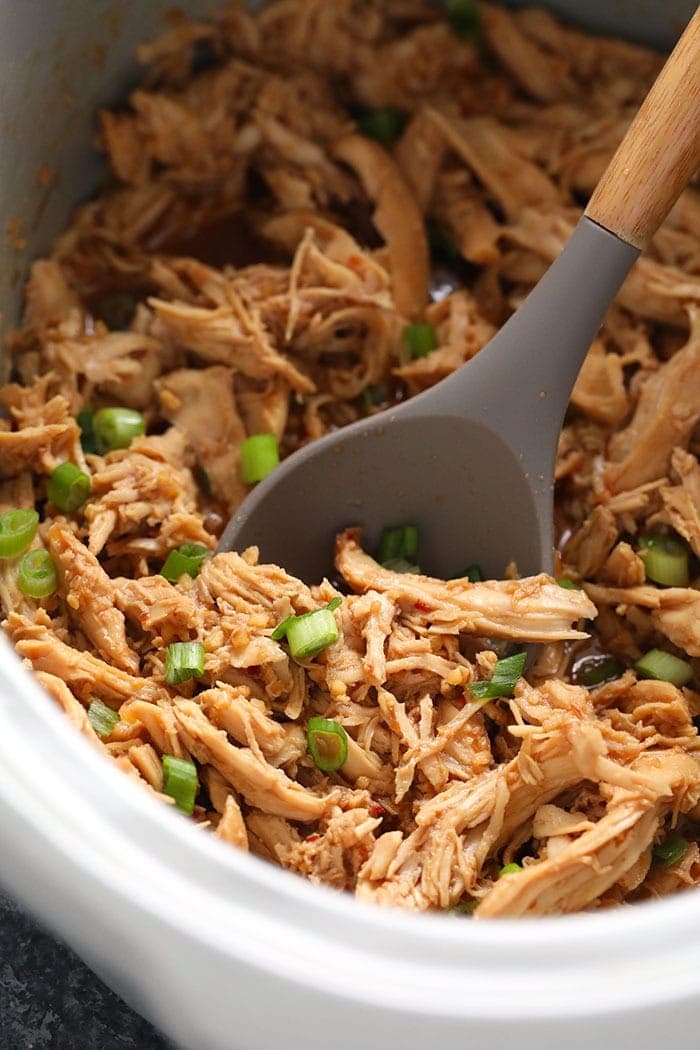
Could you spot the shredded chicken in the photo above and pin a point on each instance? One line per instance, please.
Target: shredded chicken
(288, 191)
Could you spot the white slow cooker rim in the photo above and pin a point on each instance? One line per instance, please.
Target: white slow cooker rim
(149, 860)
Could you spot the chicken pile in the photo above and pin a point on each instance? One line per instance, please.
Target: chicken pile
(289, 191)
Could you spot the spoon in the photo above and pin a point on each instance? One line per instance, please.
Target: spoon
(471, 460)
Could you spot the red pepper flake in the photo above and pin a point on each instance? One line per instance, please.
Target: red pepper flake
(422, 607)
(376, 810)
(312, 838)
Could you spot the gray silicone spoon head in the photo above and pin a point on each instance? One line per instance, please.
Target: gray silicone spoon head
(471, 461)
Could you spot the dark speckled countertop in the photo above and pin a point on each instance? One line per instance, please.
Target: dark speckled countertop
(49, 1000)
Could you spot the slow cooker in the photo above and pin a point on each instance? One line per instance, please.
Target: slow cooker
(218, 948)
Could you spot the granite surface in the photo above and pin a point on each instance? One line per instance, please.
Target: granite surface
(49, 999)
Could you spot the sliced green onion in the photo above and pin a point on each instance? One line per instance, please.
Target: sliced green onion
(187, 558)
(68, 487)
(308, 635)
(398, 542)
(400, 565)
(464, 17)
(37, 575)
(664, 667)
(665, 560)
(569, 585)
(410, 541)
(503, 680)
(418, 340)
(472, 573)
(116, 428)
(259, 456)
(596, 670)
(327, 742)
(85, 421)
(183, 660)
(390, 545)
(102, 718)
(671, 851)
(384, 125)
(463, 908)
(509, 869)
(409, 547)
(180, 782)
(280, 630)
(17, 530)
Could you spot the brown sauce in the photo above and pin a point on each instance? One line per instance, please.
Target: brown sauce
(232, 240)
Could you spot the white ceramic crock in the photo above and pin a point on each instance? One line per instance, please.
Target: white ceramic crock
(217, 948)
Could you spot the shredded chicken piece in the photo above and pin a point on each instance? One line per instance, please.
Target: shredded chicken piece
(529, 610)
(200, 402)
(542, 75)
(682, 500)
(461, 208)
(260, 784)
(600, 387)
(90, 596)
(457, 829)
(143, 499)
(83, 673)
(668, 409)
(50, 299)
(623, 567)
(232, 335)
(674, 610)
(679, 876)
(397, 219)
(583, 870)
(167, 612)
(46, 433)
(71, 706)
(487, 149)
(589, 548)
(334, 855)
(247, 722)
(419, 155)
(231, 827)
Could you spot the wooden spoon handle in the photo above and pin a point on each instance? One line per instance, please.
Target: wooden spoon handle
(659, 153)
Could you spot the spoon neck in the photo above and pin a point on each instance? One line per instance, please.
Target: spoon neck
(524, 377)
